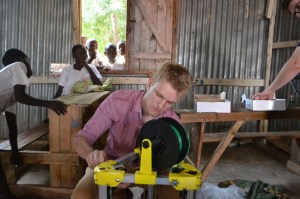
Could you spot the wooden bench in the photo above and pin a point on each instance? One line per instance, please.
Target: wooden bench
(26, 138)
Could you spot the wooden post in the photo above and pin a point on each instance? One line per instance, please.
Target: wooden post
(114, 27)
(271, 14)
(294, 163)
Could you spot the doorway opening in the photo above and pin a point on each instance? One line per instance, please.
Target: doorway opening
(104, 21)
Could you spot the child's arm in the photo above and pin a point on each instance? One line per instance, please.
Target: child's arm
(59, 91)
(22, 97)
(93, 76)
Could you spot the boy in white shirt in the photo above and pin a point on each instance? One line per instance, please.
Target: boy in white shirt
(93, 56)
(78, 71)
(13, 80)
(110, 62)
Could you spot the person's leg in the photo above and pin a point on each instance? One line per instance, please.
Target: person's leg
(4, 189)
(16, 158)
(86, 188)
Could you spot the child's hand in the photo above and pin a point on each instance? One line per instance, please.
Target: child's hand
(93, 56)
(58, 107)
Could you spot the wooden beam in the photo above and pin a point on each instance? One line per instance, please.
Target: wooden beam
(43, 157)
(41, 191)
(293, 167)
(272, 16)
(269, 8)
(76, 21)
(270, 41)
(190, 116)
(143, 55)
(217, 137)
(144, 80)
(285, 44)
(228, 82)
(220, 149)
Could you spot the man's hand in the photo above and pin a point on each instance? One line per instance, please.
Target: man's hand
(58, 107)
(95, 158)
(265, 95)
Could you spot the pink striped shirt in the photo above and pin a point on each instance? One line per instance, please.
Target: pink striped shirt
(121, 113)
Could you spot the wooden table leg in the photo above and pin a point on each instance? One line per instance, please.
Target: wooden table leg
(220, 149)
(294, 163)
(199, 152)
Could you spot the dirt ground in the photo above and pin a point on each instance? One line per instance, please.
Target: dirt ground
(254, 161)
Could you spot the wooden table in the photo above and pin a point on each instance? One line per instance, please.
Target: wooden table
(62, 128)
(238, 117)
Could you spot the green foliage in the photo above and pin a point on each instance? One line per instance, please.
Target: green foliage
(97, 22)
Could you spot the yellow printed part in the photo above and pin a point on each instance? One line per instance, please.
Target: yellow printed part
(189, 178)
(145, 175)
(106, 175)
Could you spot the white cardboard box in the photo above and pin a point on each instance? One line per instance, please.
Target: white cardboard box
(266, 105)
(216, 107)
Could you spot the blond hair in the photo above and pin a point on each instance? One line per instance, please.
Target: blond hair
(177, 75)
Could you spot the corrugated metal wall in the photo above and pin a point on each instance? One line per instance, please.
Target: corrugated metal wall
(286, 29)
(215, 39)
(228, 40)
(43, 30)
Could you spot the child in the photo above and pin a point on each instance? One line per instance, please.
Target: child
(14, 79)
(110, 62)
(78, 71)
(94, 57)
(121, 52)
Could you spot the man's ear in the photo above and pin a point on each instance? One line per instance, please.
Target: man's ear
(150, 81)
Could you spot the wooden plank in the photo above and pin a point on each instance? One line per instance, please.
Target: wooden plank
(199, 151)
(76, 122)
(174, 30)
(293, 167)
(189, 116)
(26, 138)
(228, 82)
(147, 18)
(142, 80)
(285, 44)
(86, 99)
(220, 149)
(64, 131)
(147, 34)
(150, 55)
(54, 127)
(130, 80)
(270, 42)
(55, 175)
(43, 80)
(217, 137)
(41, 191)
(281, 145)
(9, 173)
(54, 131)
(43, 157)
(76, 21)
(269, 8)
(115, 79)
(134, 35)
(66, 177)
(65, 146)
(295, 151)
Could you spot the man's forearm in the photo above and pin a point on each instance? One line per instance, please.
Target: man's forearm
(82, 146)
